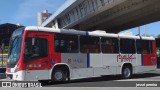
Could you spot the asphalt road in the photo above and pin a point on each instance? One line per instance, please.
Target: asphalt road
(108, 81)
(101, 83)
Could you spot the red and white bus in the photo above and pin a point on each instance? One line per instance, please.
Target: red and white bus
(38, 53)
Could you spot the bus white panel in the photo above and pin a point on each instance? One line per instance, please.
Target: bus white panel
(82, 73)
(109, 59)
(118, 59)
(142, 69)
(139, 60)
(75, 60)
(95, 60)
(104, 71)
(33, 75)
(19, 76)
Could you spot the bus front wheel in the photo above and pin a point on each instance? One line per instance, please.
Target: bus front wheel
(59, 75)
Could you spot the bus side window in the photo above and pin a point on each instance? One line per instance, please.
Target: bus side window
(147, 47)
(144, 46)
(89, 44)
(109, 45)
(64, 43)
(127, 46)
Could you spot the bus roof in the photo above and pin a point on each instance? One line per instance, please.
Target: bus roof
(89, 33)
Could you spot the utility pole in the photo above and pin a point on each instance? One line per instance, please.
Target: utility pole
(145, 31)
(139, 32)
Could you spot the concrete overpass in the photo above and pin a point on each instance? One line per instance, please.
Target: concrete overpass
(110, 15)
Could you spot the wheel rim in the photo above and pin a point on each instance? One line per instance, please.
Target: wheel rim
(58, 76)
(127, 72)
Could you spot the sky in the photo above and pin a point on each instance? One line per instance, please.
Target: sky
(25, 12)
(152, 29)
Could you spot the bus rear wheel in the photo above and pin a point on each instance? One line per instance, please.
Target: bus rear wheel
(126, 72)
(59, 75)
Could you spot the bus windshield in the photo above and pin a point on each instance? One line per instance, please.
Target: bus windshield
(15, 47)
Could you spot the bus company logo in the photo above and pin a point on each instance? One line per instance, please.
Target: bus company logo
(78, 60)
(69, 60)
(125, 58)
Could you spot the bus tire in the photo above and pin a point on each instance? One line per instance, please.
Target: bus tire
(126, 72)
(59, 75)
